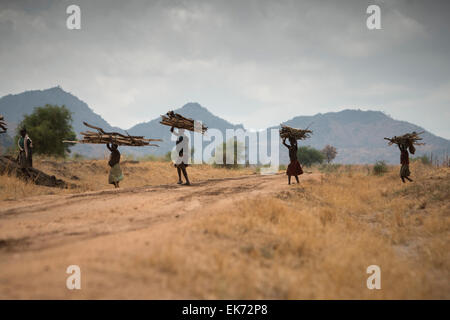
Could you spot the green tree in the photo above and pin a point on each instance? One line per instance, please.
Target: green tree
(308, 156)
(47, 127)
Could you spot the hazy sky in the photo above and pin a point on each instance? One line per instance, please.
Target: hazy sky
(251, 62)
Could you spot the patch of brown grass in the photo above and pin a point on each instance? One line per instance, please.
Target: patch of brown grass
(317, 242)
(91, 175)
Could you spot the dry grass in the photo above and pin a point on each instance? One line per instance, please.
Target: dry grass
(91, 175)
(316, 241)
(313, 241)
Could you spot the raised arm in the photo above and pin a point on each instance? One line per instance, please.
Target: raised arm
(108, 146)
(174, 133)
(285, 144)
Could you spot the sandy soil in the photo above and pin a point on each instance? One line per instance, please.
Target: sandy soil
(101, 231)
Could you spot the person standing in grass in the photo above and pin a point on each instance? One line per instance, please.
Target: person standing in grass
(294, 168)
(115, 173)
(25, 144)
(404, 161)
(182, 161)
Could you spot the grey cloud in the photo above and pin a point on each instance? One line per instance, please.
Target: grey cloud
(275, 59)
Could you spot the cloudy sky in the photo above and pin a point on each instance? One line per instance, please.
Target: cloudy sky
(251, 62)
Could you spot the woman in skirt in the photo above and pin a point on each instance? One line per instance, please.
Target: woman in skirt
(294, 167)
(115, 173)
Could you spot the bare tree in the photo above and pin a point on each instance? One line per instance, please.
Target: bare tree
(329, 152)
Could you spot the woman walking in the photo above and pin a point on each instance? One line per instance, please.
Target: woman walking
(115, 173)
(404, 161)
(294, 168)
(182, 160)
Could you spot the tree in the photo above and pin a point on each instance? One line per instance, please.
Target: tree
(47, 127)
(308, 156)
(329, 153)
(220, 153)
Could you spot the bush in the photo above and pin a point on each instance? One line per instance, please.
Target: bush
(309, 156)
(423, 159)
(380, 168)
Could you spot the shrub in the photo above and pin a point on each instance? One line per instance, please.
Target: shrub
(308, 156)
(380, 168)
(423, 159)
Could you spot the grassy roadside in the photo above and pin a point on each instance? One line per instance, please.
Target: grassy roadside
(316, 241)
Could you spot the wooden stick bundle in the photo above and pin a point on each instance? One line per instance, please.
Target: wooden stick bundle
(408, 140)
(297, 134)
(3, 126)
(176, 120)
(103, 137)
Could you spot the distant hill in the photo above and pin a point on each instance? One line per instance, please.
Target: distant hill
(190, 110)
(15, 106)
(357, 135)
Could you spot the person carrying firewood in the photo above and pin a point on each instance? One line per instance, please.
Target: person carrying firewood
(294, 167)
(182, 147)
(25, 158)
(404, 161)
(115, 173)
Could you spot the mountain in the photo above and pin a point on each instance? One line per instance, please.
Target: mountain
(15, 106)
(357, 135)
(190, 110)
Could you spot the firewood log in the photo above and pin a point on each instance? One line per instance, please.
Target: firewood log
(103, 137)
(298, 134)
(176, 120)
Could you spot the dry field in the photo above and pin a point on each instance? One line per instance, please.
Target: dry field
(91, 175)
(247, 237)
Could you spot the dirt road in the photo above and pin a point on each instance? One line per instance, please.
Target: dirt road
(41, 236)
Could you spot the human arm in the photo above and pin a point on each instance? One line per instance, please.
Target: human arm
(175, 133)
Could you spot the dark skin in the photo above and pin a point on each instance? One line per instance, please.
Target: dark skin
(293, 143)
(404, 148)
(113, 147)
(181, 168)
(23, 133)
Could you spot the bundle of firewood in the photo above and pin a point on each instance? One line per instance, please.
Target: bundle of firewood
(2, 124)
(298, 134)
(102, 137)
(408, 140)
(176, 120)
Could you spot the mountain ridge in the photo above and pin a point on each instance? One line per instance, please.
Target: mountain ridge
(357, 134)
